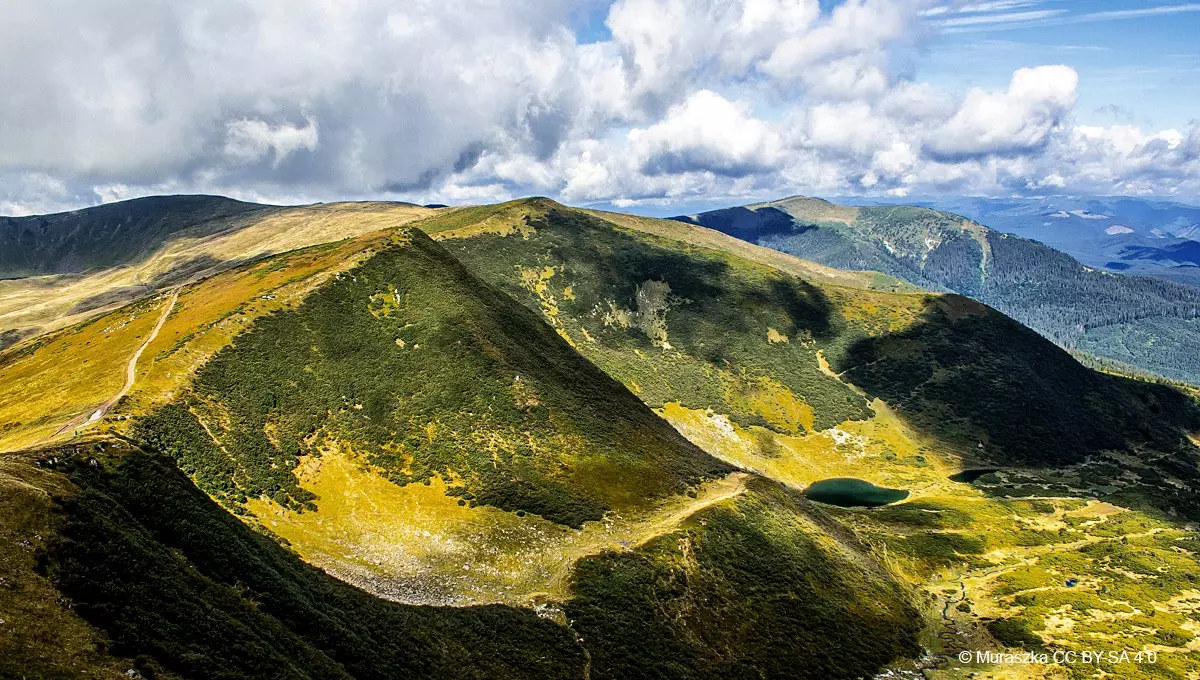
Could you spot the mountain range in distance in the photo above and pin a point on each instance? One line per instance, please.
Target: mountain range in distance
(375, 440)
(1121, 234)
(1140, 323)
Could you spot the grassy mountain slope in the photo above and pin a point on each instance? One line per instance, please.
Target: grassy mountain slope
(81, 264)
(472, 495)
(1121, 234)
(1116, 317)
(706, 330)
(425, 372)
(177, 586)
(951, 384)
(51, 380)
(432, 379)
(175, 583)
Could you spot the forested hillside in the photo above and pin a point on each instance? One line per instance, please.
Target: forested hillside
(1116, 317)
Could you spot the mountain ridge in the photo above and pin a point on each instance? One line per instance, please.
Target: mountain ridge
(1074, 305)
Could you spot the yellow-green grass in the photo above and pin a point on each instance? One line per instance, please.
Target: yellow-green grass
(416, 544)
(503, 219)
(209, 314)
(881, 450)
(76, 370)
(813, 209)
(37, 305)
(71, 372)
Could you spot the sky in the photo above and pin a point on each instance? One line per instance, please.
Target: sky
(652, 106)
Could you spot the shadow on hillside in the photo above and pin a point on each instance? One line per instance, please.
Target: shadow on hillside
(701, 285)
(110, 235)
(179, 273)
(169, 575)
(989, 386)
(12, 336)
(748, 224)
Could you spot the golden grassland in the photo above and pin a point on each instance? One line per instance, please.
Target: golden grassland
(416, 544)
(70, 373)
(813, 209)
(42, 304)
(504, 219)
(75, 370)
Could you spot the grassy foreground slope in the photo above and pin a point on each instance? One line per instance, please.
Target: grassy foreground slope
(172, 585)
(498, 413)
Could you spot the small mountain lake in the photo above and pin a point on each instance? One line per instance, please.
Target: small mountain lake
(969, 476)
(848, 492)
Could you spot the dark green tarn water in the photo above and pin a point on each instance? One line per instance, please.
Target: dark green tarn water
(848, 492)
(969, 476)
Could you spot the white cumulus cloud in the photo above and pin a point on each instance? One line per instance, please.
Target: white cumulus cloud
(472, 100)
(251, 140)
(1019, 120)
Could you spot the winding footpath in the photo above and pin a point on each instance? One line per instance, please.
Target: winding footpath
(130, 372)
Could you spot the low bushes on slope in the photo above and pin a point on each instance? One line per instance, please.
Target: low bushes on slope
(673, 321)
(173, 578)
(751, 587)
(425, 370)
(744, 590)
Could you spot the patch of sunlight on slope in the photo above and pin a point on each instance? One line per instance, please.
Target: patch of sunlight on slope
(47, 383)
(881, 450)
(45, 303)
(415, 544)
(502, 219)
(812, 209)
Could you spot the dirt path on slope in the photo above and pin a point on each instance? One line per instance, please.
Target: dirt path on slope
(130, 373)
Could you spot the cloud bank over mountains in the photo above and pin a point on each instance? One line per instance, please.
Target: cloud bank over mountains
(473, 100)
